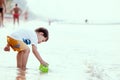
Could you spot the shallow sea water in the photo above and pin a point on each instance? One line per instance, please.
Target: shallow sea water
(74, 52)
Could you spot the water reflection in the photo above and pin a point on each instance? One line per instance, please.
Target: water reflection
(21, 74)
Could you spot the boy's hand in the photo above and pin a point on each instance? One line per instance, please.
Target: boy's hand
(7, 48)
(44, 63)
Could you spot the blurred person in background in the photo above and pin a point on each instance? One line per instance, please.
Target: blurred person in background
(16, 11)
(2, 10)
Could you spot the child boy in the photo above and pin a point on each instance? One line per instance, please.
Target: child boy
(19, 40)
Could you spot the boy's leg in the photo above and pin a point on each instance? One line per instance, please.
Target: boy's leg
(19, 59)
(25, 58)
(22, 58)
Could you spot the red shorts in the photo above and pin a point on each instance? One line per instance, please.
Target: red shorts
(16, 15)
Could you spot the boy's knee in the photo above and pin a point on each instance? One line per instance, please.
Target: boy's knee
(27, 50)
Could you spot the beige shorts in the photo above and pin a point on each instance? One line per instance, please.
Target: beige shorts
(16, 45)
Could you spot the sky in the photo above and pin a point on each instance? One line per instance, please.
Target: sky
(77, 9)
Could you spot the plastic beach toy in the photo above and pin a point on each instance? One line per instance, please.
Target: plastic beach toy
(43, 68)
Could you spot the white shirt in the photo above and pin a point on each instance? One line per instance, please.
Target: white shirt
(25, 34)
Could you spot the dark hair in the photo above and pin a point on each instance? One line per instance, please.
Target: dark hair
(44, 30)
(16, 4)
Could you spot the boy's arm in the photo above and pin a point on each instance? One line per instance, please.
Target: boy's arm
(37, 55)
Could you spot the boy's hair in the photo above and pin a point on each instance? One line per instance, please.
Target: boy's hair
(45, 32)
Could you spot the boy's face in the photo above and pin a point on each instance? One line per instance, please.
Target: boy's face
(41, 38)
